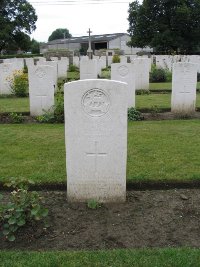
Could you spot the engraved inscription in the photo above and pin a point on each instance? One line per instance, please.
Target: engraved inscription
(95, 102)
(40, 72)
(96, 154)
(123, 70)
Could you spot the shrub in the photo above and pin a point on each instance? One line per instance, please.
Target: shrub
(16, 118)
(116, 59)
(19, 83)
(157, 75)
(134, 115)
(24, 207)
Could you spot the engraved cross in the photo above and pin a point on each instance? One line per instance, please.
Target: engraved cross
(96, 154)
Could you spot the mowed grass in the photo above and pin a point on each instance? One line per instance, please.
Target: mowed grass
(157, 151)
(142, 102)
(18, 104)
(35, 151)
(165, 86)
(158, 100)
(168, 257)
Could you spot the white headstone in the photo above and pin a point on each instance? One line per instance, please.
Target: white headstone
(125, 73)
(96, 140)
(62, 68)
(88, 69)
(6, 74)
(109, 60)
(184, 80)
(141, 73)
(41, 89)
(76, 61)
(53, 64)
(123, 59)
(29, 62)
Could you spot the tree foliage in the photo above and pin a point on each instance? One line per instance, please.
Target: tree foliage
(166, 25)
(35, 47)
(17, 20)
(59, 34)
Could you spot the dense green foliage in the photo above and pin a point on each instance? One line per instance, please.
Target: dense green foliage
(157, 75)
(19, 83)
(134, 115)
(116, 59)
(35, 47)
(17, 20)
(59, 34)
(172, 25)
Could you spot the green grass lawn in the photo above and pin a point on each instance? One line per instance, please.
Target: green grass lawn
(18, 104)
(159, 100)
(142, 101)
(168, 257)
(167, 86)
(157, 150)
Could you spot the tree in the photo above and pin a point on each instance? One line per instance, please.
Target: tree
(59, 34)
(17, 20)
(35, 47)
(166, 25)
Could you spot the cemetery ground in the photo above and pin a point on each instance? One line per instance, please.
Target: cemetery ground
(159, 153)
(157, 226)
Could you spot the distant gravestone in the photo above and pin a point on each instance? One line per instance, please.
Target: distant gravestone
(29, 62)
(125, 73)
(109, 60)
(184, 80)
(62, 67)
(6, 74)
(96, 140)
(53, 64)
(41, 89)
(76, 61)
(88, 69)
(123, 59)
(141, 73)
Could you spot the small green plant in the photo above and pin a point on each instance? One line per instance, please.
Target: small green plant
(55, 113)
(19, 83)
(93, 204)
(16, 117)
(24, 207)
(155, 110)
(47, 117)
(116, 59)
(134, 115)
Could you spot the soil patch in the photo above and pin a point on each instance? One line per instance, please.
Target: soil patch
(151, 218)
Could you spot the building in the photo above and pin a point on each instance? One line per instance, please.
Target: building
(98, 42)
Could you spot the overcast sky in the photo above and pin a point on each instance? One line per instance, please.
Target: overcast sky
(102, 16)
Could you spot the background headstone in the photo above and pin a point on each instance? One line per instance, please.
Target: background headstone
(125, 73)
(41, 89)
(6, 74)
(184, 80)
